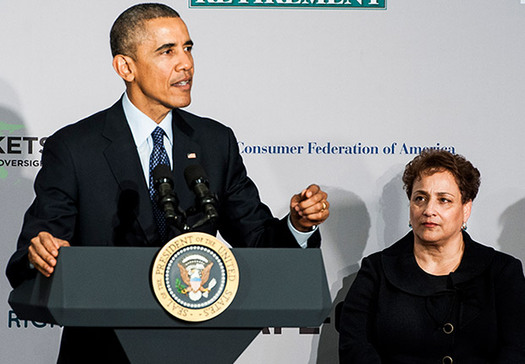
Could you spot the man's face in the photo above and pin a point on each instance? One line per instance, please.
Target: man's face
(162, 68)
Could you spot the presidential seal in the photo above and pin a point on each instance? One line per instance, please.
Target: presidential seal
(195, 277)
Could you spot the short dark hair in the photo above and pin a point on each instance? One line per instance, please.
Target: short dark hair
(129, 26)
(431, 161)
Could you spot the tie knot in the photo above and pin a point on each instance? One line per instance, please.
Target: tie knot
(158, 135)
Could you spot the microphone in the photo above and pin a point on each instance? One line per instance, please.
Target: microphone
(197, 181)
(163, 182)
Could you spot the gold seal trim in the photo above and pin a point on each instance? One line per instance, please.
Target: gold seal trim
(185, 269)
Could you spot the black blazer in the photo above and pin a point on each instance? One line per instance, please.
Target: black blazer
(397, 313)
(91, 188)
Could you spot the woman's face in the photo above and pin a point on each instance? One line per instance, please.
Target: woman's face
(436, 210)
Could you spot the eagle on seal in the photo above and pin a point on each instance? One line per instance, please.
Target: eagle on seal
(195, 279)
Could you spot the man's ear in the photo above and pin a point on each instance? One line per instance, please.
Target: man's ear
(123, 65)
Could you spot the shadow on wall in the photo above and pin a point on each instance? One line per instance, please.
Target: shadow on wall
(394, 211)
(16, 189)
(348, 227)
(513, 230)
(347, 230)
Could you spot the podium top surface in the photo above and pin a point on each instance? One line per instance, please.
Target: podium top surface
(111, 287)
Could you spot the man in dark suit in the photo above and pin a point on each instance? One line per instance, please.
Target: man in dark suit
(93, 188)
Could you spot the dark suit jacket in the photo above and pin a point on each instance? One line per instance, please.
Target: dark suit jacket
(91, 189)
(395, 313)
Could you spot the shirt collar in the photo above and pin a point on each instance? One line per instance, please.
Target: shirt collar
(141, 125)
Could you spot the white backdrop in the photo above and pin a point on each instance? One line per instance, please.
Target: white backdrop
(420, 73)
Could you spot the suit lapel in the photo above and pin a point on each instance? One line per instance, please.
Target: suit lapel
(124, 163)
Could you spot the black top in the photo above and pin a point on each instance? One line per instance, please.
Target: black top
(397, 313)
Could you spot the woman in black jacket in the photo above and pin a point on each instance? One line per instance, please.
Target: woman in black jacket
(436, 296)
